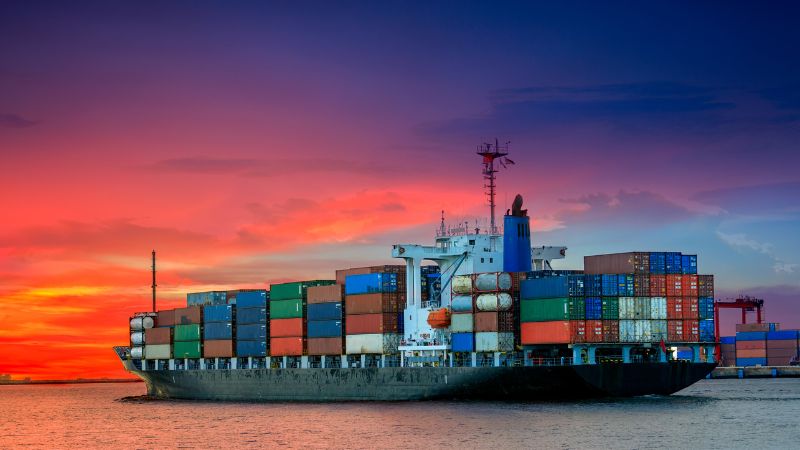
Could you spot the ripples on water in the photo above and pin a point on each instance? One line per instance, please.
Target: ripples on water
(710, 414)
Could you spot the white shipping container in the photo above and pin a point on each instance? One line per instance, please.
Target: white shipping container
(627, 329)
(462, 323)
(658, 308)
(494, 342)
(462, 284)
(494, 302)
(158, 351)
(643, 331)
(627, 309)
(371, 343)
(658, 330)
(642, 307)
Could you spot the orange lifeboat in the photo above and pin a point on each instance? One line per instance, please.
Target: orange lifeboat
(439, 318)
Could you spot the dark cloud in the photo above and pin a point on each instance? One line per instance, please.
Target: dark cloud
(641, 207)
(267, 168)
(15, 121)
(756, 199)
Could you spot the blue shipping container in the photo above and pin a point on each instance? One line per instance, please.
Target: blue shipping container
(594, 308)
(689, 264)
(744, 362)
(751, 336)
(727, 339)
(576, 285)
(658, 262)
(593, 285)
(206, 298)
(706, 305)
(325, 311)
(251, 315)
(251, 348)
(610, 286)
(217, 313)
(772, 327)
(218, 330)
(252, 299)
(370, 282)
(707, 330)
(785, 335)
(324, 328)
(685, 354)
(462, 342)
(625, 285)
(549, 287)
(673, 262)
(251, 331)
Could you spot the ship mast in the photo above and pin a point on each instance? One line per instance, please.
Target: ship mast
(491, 152)
(154, 281)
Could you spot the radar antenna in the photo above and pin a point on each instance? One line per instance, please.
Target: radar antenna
(491, 152)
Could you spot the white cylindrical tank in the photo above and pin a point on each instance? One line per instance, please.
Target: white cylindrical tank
(137, 338)
(490, 282)
(462, 284)
(462, 303)
(500, 301)
(141, 323)
(137, 352)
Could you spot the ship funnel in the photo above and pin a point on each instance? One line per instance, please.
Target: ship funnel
(517, 239)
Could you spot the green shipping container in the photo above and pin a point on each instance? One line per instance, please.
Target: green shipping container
(544, 310)
(190, 349)
(286, 309)
(577, 309)
(187, 333)
(294, 290)
(610, 308)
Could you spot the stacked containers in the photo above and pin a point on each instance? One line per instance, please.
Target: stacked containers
(325, 326)
(158, 340)
(751, 348)
(251, 323)
(373, 306)
(187, 342)
(287, 310)
(727, 345)
(782, 347)
(206, 298)
(218, 331)
(548, 315)
(139, 324)
(483, 316)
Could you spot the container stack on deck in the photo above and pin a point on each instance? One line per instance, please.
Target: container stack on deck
(782, 347)
(158, 339)
(373, 308)
(252, 326)
(483, 315)
(287, 309)
(218, 331)
(325, 320)
(187, 342)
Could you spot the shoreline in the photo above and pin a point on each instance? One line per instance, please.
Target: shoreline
(86, 381)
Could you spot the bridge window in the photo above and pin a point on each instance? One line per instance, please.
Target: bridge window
(481, 260)
(472, 242)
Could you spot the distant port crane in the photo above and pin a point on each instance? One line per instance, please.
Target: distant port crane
(745, 303)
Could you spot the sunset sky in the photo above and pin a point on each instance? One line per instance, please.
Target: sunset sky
(251, 142)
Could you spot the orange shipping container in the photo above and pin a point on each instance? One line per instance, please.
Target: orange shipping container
(689, 285)
(286, 327)
(674, 285)
(166, 318)
(155, 336)
(691, 330)
(286, 346)
(555, 332)
(594, 331)
(371, 324)
(189, 316)
(578, 330)
(324, 294)
(691, 309)
(218, 349)
(486, 321)
(751, 345)
(374, 303)
(751, 353)
(326, 346)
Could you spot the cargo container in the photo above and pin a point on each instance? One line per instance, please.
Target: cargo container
(577, 330)
(494, 321)
(627, 308)
(497, 301)
(462, 323)
(286, 327)
(727, 340)
(186, 349)
(492, 282)
(324, 294)
(550, 287)
(462, 342)
(658, 263)
(641, 285)
(689, 264)
(751, 353)
(165, 318)
(218, 331)
(254, 348)
(594, 308)
(187, 333)
(371, 283)
(552, 332)
(575, 284)
(158, 351)
(658, 330)
(218, 348)
(372, 343)
(610, 285)
(689, 285)
(783, 335)
(748, 327)
(286, 346)
(625, 285)
(158, 336)
(494, 342)
(374, 303)
(400, 270)
(462, 303)
(294, 290)
(218, 313)
(371, 323)
(610, 308)
(325, 311)
(206, 298)
(751, 336)
(252, 299)
(673, 263)
(251, 315)
(189, 315)
(658, 308)
(593, 285)
(691, 308)
(594, 331)
(255, 331)
(324, 328)
(545, 310)
(610, 330)
(674, 286)
(325, 346)
(675, 331)
(286, 309)
(630, 262)
(691, 330)
(658, 286)
(746, 362)
(705, 307)
(705, 285)
(751, 345)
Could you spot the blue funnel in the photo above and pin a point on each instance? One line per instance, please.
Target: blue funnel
(516, 244)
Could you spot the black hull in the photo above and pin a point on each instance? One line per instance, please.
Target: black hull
(401, 384)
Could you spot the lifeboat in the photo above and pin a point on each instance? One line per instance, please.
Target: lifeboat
(439, 318)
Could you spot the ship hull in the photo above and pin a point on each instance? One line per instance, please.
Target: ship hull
(429, 383)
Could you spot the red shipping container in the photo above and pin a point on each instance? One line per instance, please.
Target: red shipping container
(189, 315)
(674, 308)
(594, 331)
(705, 285)
(751, 345)
(674, 285)
(286, 346)
(658, 285)
(286, 327)
(154, 336)
(371, 324)
(691, 330)
(689, 285)
(326, 346)
(502, 321)
(555, 332)
(641, 285)
(610, 331)
(218, 349)
(675, 330)
(374, 303)
(165, 318)
(691, 308)
(751, 353)
(577, 331)
(324, 294)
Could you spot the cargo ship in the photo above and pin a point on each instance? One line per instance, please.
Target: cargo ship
(478, 315)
